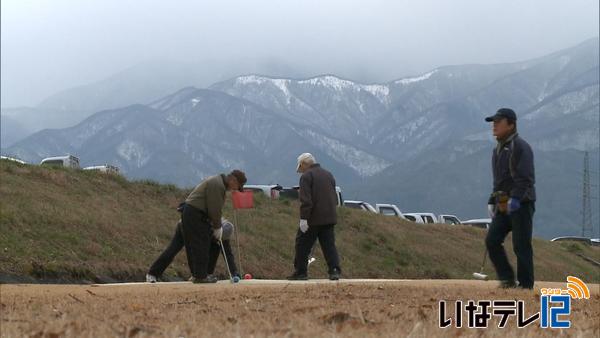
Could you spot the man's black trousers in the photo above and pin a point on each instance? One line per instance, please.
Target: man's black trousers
(166, 257)
(305, 242)
(197, 233)
(520, 222)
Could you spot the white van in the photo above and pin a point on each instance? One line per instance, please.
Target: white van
(12, 159)
(483, 223)
(107, 168)
(426, 217)
(340, 198)
(359, 205)
(389, 210)
(68, 161)
(449, 219)
(292, 193)
(414, 218)
(270, 190)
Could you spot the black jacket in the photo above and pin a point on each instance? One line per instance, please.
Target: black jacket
(318, 199)
(514, 171)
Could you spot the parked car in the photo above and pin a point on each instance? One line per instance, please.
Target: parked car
(292, 193)
(289, 192)
(359, 205)
(414, 218)
(389, 210)
(589, 241)
(68, 161)
(340, 198)
(12, 159)
(107, 168)
(483, 223)
(426, 217)
(270, 190)
(449, 219)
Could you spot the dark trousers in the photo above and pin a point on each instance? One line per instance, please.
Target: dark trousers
(305, 242)
(520, 223)
(166, 257)
(215, 251)
(197, 233)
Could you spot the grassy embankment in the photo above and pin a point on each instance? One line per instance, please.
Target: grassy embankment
(63, 224)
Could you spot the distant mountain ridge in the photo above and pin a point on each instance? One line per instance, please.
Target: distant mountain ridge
(383, 141)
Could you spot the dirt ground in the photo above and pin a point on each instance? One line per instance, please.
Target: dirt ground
(348, 308)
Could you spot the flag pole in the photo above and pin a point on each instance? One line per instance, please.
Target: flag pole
(237, 239)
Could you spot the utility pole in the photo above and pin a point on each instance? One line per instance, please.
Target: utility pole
(586, 206)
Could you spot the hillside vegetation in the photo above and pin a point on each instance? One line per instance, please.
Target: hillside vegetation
(60, 224)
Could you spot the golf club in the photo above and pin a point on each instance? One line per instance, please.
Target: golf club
(226, 262)
(311, 258)
(480, 275)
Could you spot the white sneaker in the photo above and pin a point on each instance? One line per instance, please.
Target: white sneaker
(151, 278)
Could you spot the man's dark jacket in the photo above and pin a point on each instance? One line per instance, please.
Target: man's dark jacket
(513, 169)
(318, 199)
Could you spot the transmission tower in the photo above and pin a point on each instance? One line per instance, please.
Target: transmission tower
(586, 206)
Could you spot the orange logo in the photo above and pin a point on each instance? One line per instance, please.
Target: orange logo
(576, 288)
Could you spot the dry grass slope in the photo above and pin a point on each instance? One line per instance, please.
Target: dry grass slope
(62, 224)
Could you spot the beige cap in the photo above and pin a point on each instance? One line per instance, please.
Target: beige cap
(305, 157)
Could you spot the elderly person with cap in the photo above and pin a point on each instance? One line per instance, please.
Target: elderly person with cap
(318, 216)
(512, 203)
(168, 255)
(201, 217)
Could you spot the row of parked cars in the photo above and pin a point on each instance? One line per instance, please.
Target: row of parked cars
(417, 217)
(68, 161)
(276, 191)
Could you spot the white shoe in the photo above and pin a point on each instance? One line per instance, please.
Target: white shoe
(151, 279)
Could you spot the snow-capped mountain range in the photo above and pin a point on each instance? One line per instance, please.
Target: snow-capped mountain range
(380, 140)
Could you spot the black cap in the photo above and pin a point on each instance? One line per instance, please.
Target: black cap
(502, 113)
(240, 176)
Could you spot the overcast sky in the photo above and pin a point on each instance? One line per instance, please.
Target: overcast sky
(51, 45)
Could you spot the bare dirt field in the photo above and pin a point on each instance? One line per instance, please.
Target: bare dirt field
(348, 308)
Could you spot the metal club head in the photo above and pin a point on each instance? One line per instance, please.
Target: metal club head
(480, 276)
(310, 260)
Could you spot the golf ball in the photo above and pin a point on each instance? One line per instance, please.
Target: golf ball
(236, 279)
(247, 276)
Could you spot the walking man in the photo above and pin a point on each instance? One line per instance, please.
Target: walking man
(512, 203)
(318, 215)
(202, 217)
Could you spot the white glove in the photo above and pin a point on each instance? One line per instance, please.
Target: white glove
(303, 225)
(491, 210)
(218, 233)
